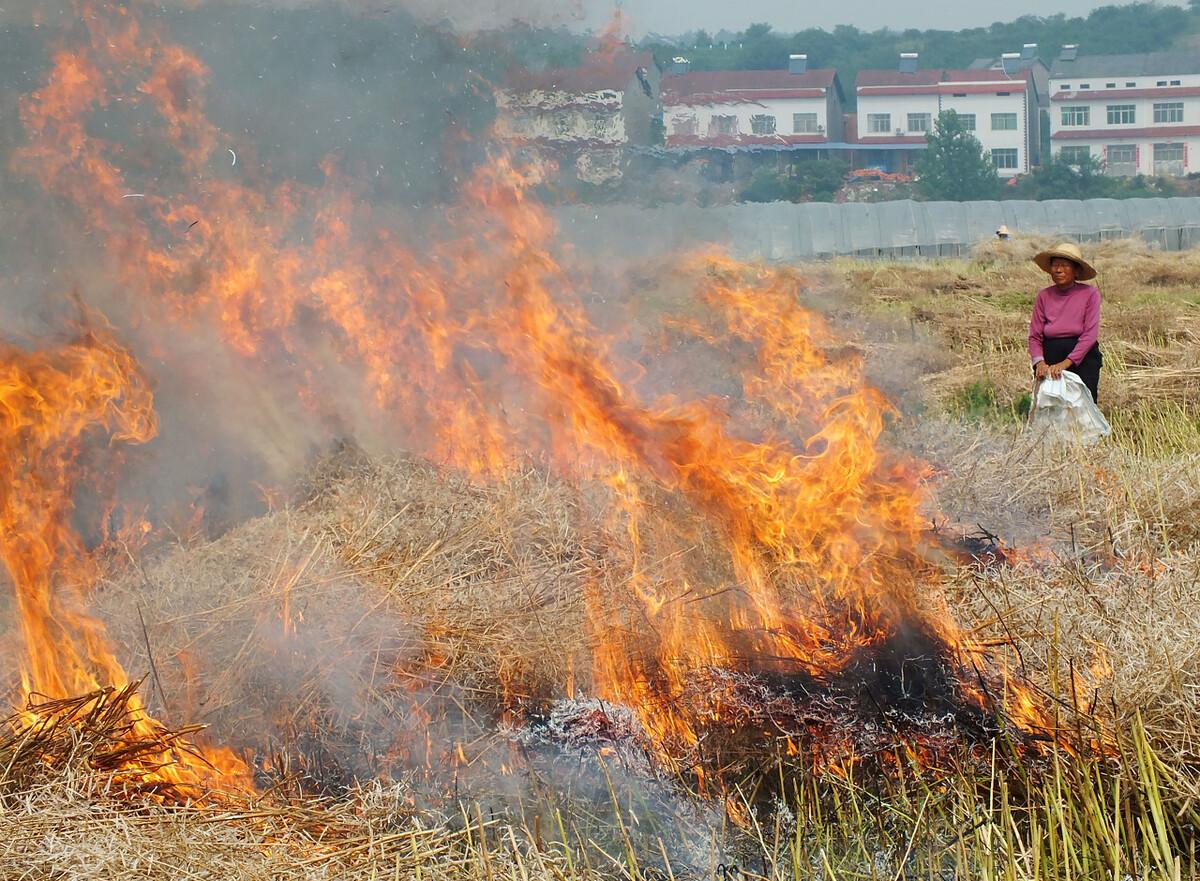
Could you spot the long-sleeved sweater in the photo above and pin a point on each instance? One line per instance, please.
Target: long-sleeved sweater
(1073, 312)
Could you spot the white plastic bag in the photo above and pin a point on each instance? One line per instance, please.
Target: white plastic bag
(1063, 409)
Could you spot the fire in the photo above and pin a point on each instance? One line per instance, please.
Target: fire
(52, 404)
(51, 401)
(474, 349)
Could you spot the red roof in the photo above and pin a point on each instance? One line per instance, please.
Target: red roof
(1105, 94)
(1004, 88)
(746, 96)
(984, 76)
(898, 90)
(867, 140)
(740, 80)
(1158, 132)
(896, 78)
(597, 71)
(938, 82)
(740, 86)
(750, 140)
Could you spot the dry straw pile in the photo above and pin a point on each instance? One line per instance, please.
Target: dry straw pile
(392, 606)
(1103, 597)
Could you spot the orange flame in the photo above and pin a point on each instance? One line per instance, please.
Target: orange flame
(474, 350)
(52, 402)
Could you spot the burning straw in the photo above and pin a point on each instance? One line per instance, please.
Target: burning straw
(106, 739)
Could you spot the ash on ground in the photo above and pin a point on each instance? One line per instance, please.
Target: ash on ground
(589, 728)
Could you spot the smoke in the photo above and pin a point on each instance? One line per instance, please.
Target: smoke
(263, 224)
(297, 92)
(462, 15)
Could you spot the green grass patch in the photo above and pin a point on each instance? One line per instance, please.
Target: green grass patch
(981, 402)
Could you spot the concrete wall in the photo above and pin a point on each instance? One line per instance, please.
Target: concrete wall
(783, 231)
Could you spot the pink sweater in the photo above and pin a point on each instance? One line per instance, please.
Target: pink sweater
(1075, 312)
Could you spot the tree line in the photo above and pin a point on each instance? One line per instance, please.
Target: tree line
(1131, 28)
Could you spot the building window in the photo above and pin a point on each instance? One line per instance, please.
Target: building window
(1065, 87)
(1004, 122)
(1171, 111)
(1174, 82)
(762, 124)
(1121, 159)
(804, 123)
(1168, 152)
(1005, 158)
(1003, 94)
(967, 120)
(1075, 155)
(1122, 114)
(1161, 83)
(723, 125)
(1131, 85)
(919, 122)
(1085, 86)
(1110, 85)
(1078, 114)
(879, 123)
(684, 126)
(1168, 159)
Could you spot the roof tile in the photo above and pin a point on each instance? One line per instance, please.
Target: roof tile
(597, 71)
(1142, 64)
(727, 86)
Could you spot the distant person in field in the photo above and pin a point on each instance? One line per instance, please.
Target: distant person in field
(1064, 331)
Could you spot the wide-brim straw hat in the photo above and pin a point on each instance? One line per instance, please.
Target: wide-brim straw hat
(1069, 251)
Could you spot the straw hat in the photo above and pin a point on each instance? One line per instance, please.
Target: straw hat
(1069, 251)
(1003, 230)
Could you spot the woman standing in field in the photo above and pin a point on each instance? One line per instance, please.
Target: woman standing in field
(1064, 331)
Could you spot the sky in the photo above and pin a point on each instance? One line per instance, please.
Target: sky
(673, 17)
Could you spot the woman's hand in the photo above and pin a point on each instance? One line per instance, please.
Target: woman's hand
(1041, 370)
(1056, 370)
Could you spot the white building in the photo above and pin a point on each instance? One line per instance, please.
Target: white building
(584, 114)
(796, 108)
(896, 108)
(1136, 114)
(1039, 84)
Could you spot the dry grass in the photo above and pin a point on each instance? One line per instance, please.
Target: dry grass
(60, 830)
(390, 594)
(390, 598)
(1102, 601)
(978, 310)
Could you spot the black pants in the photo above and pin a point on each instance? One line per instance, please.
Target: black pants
(1054, 349)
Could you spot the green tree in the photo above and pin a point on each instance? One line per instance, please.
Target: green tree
(954, 166)
(1059, 178)
(812, 180)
